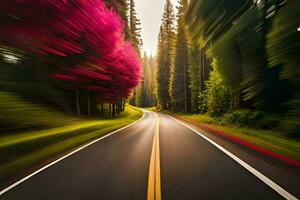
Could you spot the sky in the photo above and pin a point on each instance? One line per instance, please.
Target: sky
(150, 14)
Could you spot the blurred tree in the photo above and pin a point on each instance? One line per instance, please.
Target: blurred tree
(217, 93)
(194, 74)
(243, 65)
(179, 80)
(207, 20)
(141, 90)
(135, 37)
(122, 7)
(83, 42)
(283, 49)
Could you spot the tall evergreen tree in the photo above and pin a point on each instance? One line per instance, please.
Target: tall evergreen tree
(148, 79)
(135, 37)
(179, 81)
(151, 80)
(142, 97)
(165, 56)
(134, 25)
(122, 7)
(283, 49)
(194, 75)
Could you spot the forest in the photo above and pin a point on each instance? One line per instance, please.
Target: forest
(236, 64)
(235, 61)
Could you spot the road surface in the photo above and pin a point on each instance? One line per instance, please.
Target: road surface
(156, 158)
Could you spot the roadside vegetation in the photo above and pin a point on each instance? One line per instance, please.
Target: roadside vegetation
(21, 151)
(272, 140)
(253, 127)
(19, 114)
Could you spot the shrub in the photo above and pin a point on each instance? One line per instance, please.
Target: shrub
(248, 118)
(203, 102)
(218, 94)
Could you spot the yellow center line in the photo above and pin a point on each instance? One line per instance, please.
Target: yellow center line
(154, 183)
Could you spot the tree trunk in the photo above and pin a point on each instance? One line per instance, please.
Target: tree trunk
(202, 70)
(109, 111)
(185, 88)
(89, 105)
(102, 108)
(77, 103)
(123, 106)
(114, 111)
(119, 106)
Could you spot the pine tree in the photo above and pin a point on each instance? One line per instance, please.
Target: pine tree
(150, 80)
(145, 91)
(283, 49)
(123, 11)
(194, 74)
(135, 37)
(179, 81)
(142, 90)
(122, 7)
(140, 94)
(165, 56)
(134, 25)
(161, 73)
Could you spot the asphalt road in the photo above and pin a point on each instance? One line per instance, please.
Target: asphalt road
(185, 166)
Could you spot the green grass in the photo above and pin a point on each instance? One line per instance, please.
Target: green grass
(271, 140)
(22, 151)
(18, 114)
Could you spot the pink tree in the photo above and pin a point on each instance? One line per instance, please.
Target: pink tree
(81, 39)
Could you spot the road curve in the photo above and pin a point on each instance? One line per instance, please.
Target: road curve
(118, 167)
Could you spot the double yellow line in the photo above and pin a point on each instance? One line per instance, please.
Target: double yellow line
(154, 182)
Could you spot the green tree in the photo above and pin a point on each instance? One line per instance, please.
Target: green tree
(135, 36)
(143, 90)
(122, 7)
(165, 56)
(194, 75)
(149, 79)
(134, 25)
(283, 49)
(140, 94)
(153, 67)
(218, 93)
(179, 80)
(237, 40)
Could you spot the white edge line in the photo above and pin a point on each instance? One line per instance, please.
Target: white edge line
(69, 154)
(256, 173)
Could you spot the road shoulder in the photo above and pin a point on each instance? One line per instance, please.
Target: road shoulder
(277, 170)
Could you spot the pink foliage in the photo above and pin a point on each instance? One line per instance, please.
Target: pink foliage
(66, 28)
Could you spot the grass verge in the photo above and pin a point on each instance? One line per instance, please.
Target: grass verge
(18, 114)
(269, 140)
(20, 152)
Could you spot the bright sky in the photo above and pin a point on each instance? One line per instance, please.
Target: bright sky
(150, 14)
